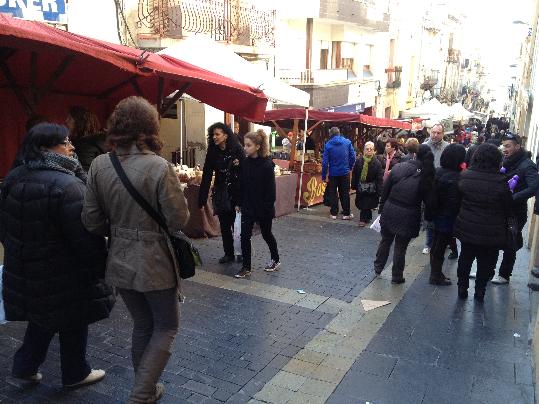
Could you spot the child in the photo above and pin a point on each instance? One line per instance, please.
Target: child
(258, 199)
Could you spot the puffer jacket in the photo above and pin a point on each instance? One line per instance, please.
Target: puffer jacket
(339, 157)
(485, 207)
(52, 264)
(140, 256)
(400, 204)
(221, 163)
(445, 202)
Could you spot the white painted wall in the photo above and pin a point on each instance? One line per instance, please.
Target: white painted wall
(95, 18)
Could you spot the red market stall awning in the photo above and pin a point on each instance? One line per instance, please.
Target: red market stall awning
(44, 70)
(289, 114)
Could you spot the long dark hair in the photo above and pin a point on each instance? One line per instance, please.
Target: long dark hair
(231, 137)
(487, 157)
(86, 123)
(426, 158)
(43, 135)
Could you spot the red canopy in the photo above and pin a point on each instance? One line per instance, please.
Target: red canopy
(324, 116)
(44, 70)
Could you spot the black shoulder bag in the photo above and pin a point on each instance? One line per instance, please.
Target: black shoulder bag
(186, 254)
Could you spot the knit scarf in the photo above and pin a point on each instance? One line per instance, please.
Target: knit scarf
(365, 168)
(54, 161)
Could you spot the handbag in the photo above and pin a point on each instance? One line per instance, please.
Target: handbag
(185, 252)
(367, 188)
(220, 199)
(327, 196)
(514, 237)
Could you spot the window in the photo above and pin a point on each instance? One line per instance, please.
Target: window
(324, 54)
(347, 63)
(336, 58)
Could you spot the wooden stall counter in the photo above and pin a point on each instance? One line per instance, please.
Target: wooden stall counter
(286, 186)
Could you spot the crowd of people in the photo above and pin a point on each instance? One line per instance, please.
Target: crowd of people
(72, 231)
(477, 195)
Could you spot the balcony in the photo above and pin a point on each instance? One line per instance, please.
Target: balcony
(430, 80)
(223, 20)
(394, 77)
(318, 76)
(453, 56)
(369, 14)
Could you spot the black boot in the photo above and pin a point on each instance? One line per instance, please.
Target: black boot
(442, 281)
(396, 280)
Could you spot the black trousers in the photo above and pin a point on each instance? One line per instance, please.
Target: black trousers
(247, 224)
(226, 222)
(340, 184)
(399, 253)
(365, 215)
(33, 352)
(486, 264)
(440, 241)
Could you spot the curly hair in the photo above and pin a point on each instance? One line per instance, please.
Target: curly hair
(260, 138)
(487, 157)
(135, 120)
(86, 123)
(226, 130)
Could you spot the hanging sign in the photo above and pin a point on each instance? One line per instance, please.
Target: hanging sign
(53, 11)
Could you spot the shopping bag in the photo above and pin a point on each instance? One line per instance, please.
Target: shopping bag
(376, 225)
(237, 234)
(2, 312)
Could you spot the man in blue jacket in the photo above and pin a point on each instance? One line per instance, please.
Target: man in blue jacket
(339, 157)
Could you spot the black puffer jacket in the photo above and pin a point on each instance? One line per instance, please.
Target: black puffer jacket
(527, 186)
(400, 204)
(486, 203)
(375, 175)
(220, 162)
(443, 204)
(258, 188)
(52, 264)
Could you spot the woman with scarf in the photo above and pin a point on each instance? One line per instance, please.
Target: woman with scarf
(367, 181)
(52, 264)
(391, 157)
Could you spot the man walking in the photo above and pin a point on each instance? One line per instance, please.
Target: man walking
(437, 145)
(516, 162)
(339, 157)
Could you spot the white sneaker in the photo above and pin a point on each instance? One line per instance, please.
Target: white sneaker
(347, 217)
(426, 250)
(333, 217)
(472, 275)
(32, 379)
(94, 377)
(500, 280)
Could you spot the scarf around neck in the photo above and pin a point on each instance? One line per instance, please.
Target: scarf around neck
(54, 161)
(365, 168)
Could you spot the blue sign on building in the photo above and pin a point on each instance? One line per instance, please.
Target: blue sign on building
(353, 108)
(41, 10)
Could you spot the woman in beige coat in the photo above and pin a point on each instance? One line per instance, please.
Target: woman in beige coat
(140, 264)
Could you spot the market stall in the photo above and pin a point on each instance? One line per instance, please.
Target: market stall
(359, 128)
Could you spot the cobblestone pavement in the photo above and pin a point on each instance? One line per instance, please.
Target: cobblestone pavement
(260, 340)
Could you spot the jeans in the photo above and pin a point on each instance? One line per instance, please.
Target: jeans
(227, 225)
(156, 320)
(399, 253)
(34, 349)
(342, 185)
(247, 224)
(365, 215)
(486, 263)
(440, 242)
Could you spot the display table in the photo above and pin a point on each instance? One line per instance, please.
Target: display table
(286, 186)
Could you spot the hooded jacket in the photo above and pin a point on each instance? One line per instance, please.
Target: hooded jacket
(339, 157)
(221, 163)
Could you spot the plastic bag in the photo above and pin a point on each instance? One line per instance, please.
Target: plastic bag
(376, 225)
(237, 234)
(2, 312)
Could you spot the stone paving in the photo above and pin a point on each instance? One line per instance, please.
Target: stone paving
(260, 340)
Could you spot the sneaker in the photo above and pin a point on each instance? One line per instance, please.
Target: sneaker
(500, 280)
(453, 256)
(440, 281)
(426, 250)
(472, 275)
(244, 273)
(95, 376)
(32, 379)
(349, 217)
(272, 266)
(333, 217)
(362, 224)
(226, 259)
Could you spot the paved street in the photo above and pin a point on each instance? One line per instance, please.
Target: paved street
(259, 340)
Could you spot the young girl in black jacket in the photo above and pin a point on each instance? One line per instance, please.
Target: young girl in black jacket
(258, 199)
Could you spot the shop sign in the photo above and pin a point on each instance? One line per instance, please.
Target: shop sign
(353, 108)
(53, 11)
(312, 191)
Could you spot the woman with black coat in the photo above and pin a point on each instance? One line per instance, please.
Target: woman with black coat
(481, 224)
(52, 264)
(406, 187)
(258, 199)
(367, 181)
(443, 207)
(224, 158)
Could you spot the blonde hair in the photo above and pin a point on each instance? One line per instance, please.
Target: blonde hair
(259, 138)
(368, 144)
